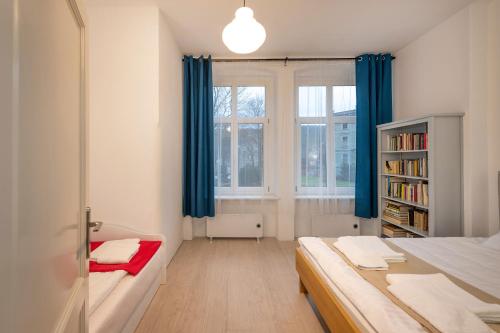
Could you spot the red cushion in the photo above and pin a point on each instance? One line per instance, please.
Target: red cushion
(147, 249)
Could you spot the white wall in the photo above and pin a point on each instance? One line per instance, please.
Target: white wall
(135, 108)
(451, 69)
(170, 104)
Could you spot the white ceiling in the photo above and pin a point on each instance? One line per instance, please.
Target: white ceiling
(309, 28)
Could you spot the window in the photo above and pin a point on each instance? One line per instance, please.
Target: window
(241, 119)
(326, 139)
(222, 136)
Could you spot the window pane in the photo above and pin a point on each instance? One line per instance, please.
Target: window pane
(313, 155)
(344, 118)
(222, 152)
(222, 102)
(250, 155)
(251, 102)
(344, 99)
(312, 101)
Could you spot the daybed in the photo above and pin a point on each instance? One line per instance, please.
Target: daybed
(127, 300)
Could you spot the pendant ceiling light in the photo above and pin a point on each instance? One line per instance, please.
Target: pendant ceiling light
(244, 34)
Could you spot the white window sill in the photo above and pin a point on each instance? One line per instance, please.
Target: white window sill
(246, 197)
(318, 196)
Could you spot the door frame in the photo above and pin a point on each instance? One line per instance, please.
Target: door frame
(78, 298)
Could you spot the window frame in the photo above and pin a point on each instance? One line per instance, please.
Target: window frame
(329, 120)
(235, 121)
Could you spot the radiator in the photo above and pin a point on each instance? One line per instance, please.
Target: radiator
(335, 225)
(236, 225)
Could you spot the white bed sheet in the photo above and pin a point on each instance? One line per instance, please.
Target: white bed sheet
(114, 312)
(464, 258)
(101, 284)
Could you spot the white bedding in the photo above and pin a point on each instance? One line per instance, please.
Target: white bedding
(378, 310)
(101, 284)
(464, 258)
(114, 312)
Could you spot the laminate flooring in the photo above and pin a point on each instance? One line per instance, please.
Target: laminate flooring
(231, 285)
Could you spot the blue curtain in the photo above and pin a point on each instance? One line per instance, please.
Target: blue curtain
(198, 138)
(374, 107)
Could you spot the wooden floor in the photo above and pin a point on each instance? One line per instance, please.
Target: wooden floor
(231, 286)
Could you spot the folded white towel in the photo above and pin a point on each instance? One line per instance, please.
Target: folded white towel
(115, 251)
(447, 291)
(125, 240)
(101, 285)
(443, 315)
(368, 252)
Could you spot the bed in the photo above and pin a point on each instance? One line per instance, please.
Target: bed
(124, 305)
(348, 303)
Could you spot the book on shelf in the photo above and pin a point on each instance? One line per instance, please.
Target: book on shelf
(407, 141)
(402, 189)
(407, 167)
(421, 220)
(393, 231)
(397, 213)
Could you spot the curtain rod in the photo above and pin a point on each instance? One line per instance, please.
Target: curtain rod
(278, 59)
(286, 59)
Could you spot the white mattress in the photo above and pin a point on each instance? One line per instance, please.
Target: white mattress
(464, 258)
(114, 312)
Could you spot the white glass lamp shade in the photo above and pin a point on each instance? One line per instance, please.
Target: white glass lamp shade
(244, 34)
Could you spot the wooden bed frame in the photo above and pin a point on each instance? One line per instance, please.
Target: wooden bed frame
(330, 307)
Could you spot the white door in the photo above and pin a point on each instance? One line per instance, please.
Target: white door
(45, 160)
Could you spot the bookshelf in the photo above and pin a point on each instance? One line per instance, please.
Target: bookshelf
(420, 190)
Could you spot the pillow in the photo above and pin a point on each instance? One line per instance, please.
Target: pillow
(493, 242)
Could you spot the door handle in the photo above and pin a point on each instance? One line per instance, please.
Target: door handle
(95, 226)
